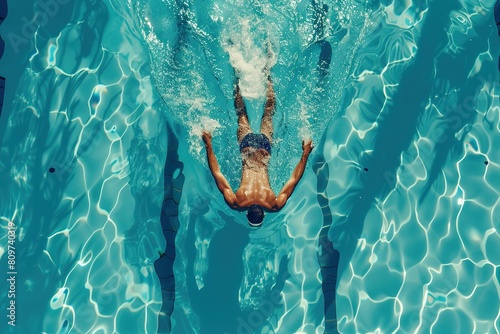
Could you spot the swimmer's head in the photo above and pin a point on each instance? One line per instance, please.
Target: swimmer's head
(255, 215)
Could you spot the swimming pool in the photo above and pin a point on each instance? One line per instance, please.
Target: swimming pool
(103, 167)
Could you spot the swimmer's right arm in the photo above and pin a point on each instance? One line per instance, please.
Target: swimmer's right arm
(220, 180)
(288, 188)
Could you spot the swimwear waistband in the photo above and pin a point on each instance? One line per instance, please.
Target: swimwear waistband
(256, 140)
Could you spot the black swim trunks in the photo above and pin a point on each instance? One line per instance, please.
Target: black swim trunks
(256, 140)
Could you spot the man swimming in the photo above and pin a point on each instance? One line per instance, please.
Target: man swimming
(255, 191)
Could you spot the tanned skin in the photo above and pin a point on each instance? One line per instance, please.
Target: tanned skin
(255, 187)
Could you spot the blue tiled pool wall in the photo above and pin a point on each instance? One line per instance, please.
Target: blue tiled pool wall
(174, 182)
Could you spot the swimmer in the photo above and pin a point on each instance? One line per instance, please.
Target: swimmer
(255, 193)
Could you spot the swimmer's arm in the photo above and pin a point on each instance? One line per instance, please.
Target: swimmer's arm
(220, 180)
(288, 188)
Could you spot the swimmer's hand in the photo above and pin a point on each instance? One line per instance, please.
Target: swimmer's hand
(307, 147)
(207, 138)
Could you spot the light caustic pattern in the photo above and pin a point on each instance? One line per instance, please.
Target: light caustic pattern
(194, 48)
(85, 110)
(414, 198)
(426, 258)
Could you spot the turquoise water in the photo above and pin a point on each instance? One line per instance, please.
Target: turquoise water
(404, 180)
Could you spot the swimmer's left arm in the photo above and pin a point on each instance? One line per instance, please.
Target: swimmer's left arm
(288, 188)
(220, 180)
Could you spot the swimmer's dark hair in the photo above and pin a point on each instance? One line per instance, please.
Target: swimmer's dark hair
(255, 215)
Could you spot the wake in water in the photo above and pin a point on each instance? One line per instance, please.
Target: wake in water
(84, 185)
(194, 67)
(249, 60)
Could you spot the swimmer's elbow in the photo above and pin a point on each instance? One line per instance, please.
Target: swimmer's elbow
(221, 181)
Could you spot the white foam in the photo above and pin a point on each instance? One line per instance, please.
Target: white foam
(196, 128)
(248, 58)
